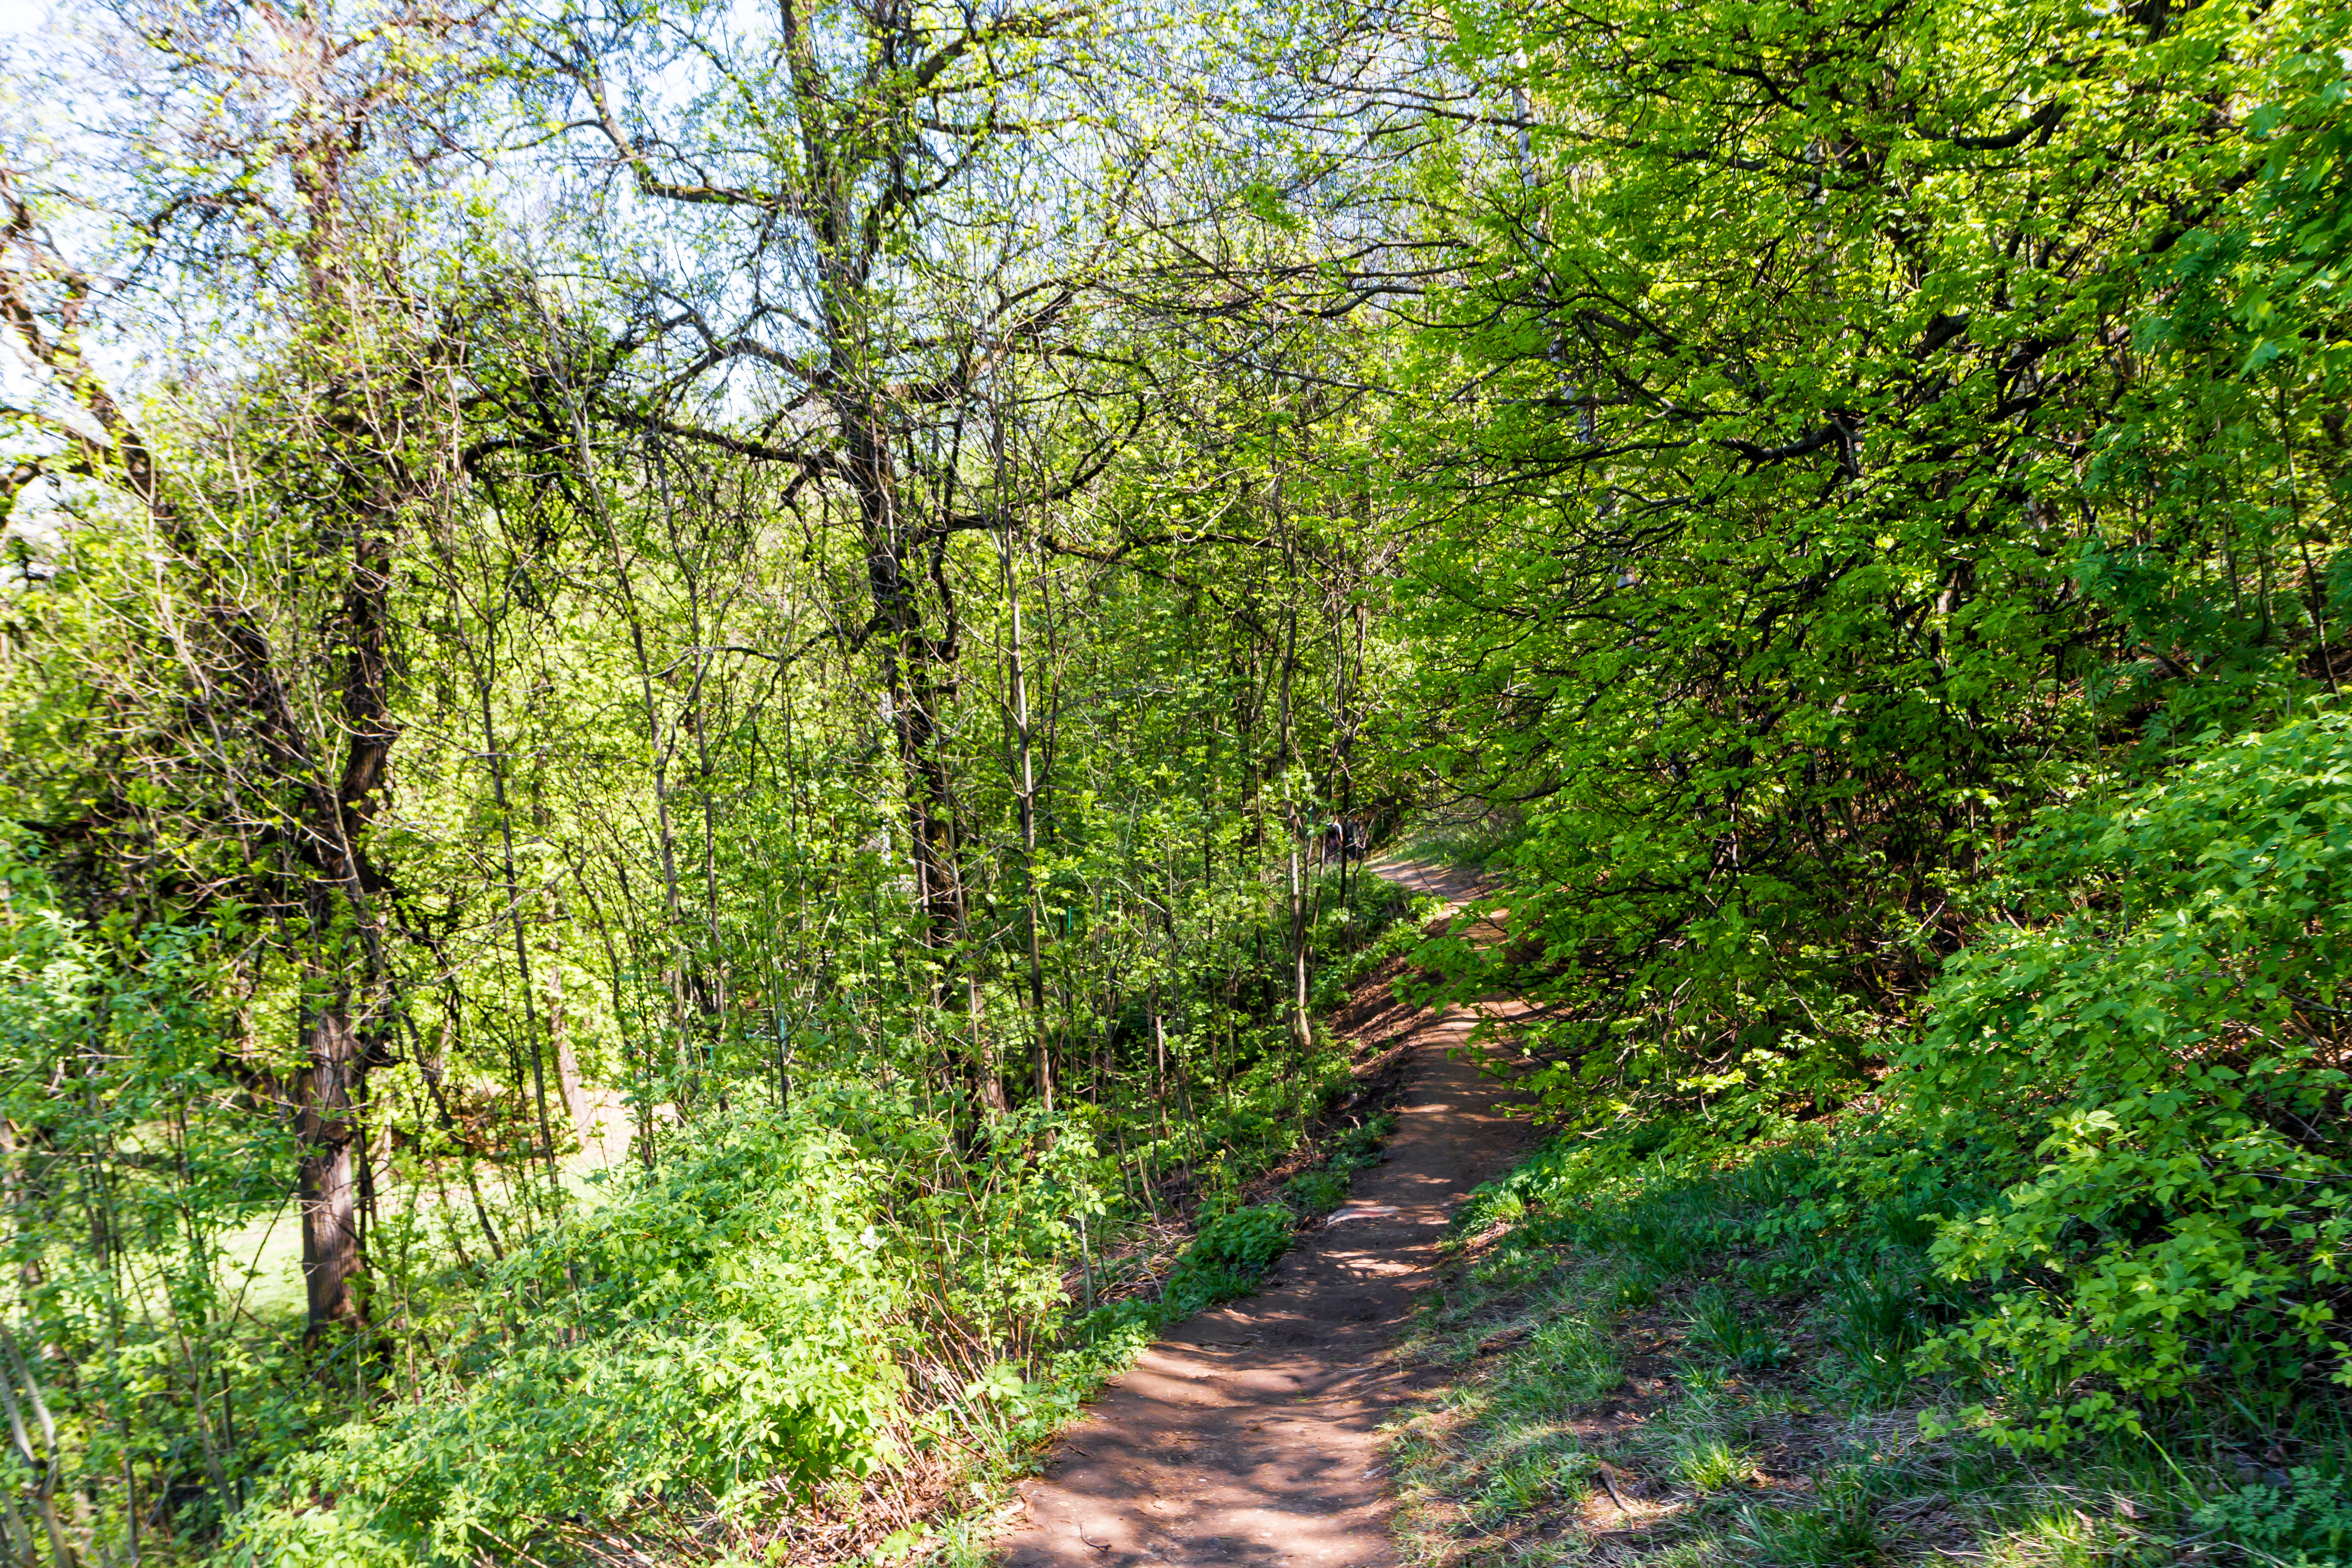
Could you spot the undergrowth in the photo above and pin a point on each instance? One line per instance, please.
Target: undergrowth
(1654, 1365)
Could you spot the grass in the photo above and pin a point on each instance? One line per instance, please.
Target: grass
(1706, 1463)
(1465, 845)
(1647, 1373)
(1722, 1328)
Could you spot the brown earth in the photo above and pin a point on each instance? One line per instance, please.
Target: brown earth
(1250, 1435)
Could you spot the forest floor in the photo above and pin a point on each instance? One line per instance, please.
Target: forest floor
(1250, 1435)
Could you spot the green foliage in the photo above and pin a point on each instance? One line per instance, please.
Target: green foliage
(2308, 1523)
(1317, 1192)
(2109, 1175)
(1850, 528)
(1399, 921)
(2256, 292)
(1754, 583)
(1725, 1331)
(2150, 1054)
(1359, 1148)
(1926, 856)
(1896, 754)
(718, 1324)
(1881, 1319)
(1227, 1256)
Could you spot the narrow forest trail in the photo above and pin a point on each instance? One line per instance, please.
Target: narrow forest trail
(1249, 1435)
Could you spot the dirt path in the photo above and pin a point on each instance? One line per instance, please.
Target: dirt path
(1249, 1435)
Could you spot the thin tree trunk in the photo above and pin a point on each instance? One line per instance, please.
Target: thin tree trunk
(1302, 1038)
(1027, 800)
(514, 918)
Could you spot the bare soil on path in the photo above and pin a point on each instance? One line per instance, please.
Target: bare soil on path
(1250, 1435)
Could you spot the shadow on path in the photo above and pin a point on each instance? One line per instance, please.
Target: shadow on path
(1249, 1435)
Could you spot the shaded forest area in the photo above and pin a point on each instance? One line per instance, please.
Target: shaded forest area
(687, 692)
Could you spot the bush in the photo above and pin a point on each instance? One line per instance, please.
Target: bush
(721, 1327)
(2151, 1054)
(1227, 1257)
(2305, 1524)
(2113, 1167)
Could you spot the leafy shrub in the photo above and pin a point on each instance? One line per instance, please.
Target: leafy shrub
(1360, 1148)
(2150, 1054)
(1403, 913)
(2307, 1524)
(1227, 1257)
(723, 1325)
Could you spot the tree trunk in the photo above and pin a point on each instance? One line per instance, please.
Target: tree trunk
(328, 1095)
(1027, 800)
(917, 669)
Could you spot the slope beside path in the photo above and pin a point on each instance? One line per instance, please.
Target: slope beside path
(1249, 1435)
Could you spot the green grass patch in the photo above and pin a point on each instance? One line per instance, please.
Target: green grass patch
(1668, 1361)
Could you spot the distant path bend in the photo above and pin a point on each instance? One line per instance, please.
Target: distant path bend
(1249, 1435)
(1450, 884)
